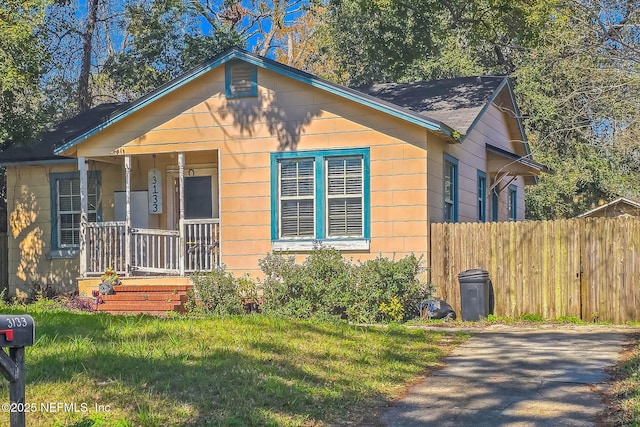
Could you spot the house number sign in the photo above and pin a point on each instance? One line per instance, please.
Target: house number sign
(155, 191)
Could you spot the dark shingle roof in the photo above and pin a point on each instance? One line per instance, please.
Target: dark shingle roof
(455, 102)
(41, 147)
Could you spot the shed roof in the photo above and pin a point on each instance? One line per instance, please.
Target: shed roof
(633, 204)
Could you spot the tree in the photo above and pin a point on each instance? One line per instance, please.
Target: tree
(580, 89)
(395, 40)
(575, 65)
(22, 57)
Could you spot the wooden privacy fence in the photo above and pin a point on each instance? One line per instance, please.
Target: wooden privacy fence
(588, 268)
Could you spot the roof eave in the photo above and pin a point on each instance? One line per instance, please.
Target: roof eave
(47, 161)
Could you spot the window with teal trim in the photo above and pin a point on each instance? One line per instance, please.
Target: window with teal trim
(482, 196)
(241, 79)
(450, 178)
(513, 200)
(297, 197)
(65, 207)
(320, 195)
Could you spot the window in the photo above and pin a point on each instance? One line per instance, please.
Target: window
(241, 80)
(320, 195)
(450, 179)
(495, 200)
(482, 196)
(297, 198)
(513, 200)
(65, 207)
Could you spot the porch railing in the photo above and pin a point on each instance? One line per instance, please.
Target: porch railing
(153, 251)
(202, 241)
(105, 247)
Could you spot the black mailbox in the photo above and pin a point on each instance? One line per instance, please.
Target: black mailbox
(16, 330)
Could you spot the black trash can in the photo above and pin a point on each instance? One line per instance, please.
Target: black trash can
(474, 294)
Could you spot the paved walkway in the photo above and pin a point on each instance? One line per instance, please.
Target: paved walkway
(516, 377)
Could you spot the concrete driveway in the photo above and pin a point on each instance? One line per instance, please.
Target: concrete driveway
(505, 376)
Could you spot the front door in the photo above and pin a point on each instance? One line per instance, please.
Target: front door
(200, 195)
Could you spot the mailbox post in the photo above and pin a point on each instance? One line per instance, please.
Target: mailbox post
(16, 332)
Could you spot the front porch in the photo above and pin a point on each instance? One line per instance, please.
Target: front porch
(163, 225)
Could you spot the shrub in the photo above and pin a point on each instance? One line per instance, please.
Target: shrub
(315, 288)
(326, 284)
(393, 311)
(381, 280)
(220, 293)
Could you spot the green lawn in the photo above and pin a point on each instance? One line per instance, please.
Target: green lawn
(250, 370)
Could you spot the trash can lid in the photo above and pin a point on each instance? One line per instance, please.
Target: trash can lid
(474, 273)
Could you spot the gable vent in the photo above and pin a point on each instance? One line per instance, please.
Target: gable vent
(242, 80)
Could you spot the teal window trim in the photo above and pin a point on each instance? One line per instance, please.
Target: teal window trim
(482, 196)
(228, 67)
(320, 191)
(54, 177)
(450, 166)
(513, 203)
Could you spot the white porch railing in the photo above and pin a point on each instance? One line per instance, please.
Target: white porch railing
(155, 251)
(105, 247)
(152, 250)
(202, 241)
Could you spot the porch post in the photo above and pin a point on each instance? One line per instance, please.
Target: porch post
(84, 215)
(182, 248)
(127, 217)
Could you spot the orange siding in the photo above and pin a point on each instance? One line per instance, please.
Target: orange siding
(287, 115)
(29, 220)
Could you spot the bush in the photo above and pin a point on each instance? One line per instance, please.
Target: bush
(326, 284)
(220, 293)
(316, 288)
(383, 281)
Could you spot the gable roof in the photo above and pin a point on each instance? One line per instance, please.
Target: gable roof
(456, 102)
(450, 107)
(41, 148)
(266, 63)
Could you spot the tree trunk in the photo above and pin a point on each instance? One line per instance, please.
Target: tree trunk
(84, 97)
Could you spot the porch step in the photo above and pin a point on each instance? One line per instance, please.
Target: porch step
(146, 296)
(145, 299)
(151, 288)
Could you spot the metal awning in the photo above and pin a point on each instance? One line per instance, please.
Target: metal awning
(503, 163)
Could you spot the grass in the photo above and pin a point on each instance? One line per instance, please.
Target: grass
(623, 392)
(526, 319)
(237, 371)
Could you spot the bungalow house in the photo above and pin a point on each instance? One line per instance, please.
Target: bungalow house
(242, 156)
